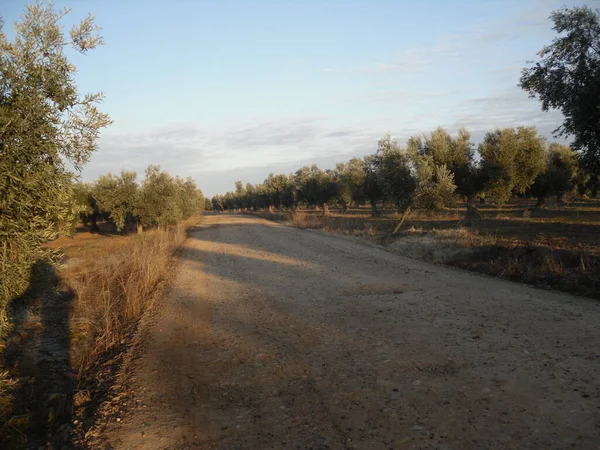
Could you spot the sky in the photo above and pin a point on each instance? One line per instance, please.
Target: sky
(233, 90)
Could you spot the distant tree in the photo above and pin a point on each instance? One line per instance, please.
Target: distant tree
(582, 181)
(277, 190)
(116, 197)
(207, 204)
(594, 184)
(455, 154)
(251, 196)
(240, 195)
(350, 179)
(87, 205)
(372, 188)
(229, 201)
(394, 175)
(435, 185)
(315, 187)
(190, 200)
(567, 78)
(44, 123)
(156, 204)
(511, 159)
(217, 203)
(559, 176)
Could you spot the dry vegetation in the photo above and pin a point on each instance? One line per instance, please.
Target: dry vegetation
(108, 281)
(113, 281)
(558, 246)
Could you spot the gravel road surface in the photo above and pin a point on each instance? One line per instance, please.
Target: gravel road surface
(278, 338)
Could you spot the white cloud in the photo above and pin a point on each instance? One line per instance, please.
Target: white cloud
(190, 150)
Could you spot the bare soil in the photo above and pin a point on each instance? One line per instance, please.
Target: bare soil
(274, 337)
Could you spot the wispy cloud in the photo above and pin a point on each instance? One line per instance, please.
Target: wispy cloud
(190, 150)
(505, 108)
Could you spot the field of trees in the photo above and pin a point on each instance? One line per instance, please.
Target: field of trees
(80, 262)
(515, 206)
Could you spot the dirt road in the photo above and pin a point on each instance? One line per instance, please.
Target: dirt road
(274, 337)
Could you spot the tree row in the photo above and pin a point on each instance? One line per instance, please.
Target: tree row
(430, 172)
(159, 200)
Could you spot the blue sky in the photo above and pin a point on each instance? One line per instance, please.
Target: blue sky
(222, 91)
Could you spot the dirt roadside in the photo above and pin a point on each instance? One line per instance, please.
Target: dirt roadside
(275, 337)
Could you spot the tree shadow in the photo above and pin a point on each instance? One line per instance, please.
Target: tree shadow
(38, 354)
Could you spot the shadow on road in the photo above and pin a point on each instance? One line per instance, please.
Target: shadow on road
(38, 354)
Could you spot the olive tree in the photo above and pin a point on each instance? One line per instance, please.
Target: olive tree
(393, 174)
(156, 204)
(190, 200)
(116, 197)
(511, 159)
(315, 187)
(567, 77)
(447, 157)
(559, 177)
(87, 204)
(44, 122)
(372, 189)
(350, 180)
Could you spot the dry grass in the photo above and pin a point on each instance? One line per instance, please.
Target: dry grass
(557, 247)
(113, 284)
(110, 281)
(300, 219)
(439, 246)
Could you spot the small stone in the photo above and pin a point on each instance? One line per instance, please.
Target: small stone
(417, 382)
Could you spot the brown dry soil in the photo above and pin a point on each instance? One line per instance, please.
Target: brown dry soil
(274, 337)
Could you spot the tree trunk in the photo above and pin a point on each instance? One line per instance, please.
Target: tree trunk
(541, 203)
(344, 206)
(404, 216)
(140, 228)
(482, 201)
(472, 207)
(595, 184)
(94, 226)
(373, 208)
(325, 209)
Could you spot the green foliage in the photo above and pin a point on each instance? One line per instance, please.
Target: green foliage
(217, 203)
(350, 180)
(278, 191)
(391, 166)
(44, 122)
(435, 182)
(433, 170)
(372, 188)
(314, 186)
(511, 159)
(566, 78)
(86, 204)
(190, 199)
(116, 197)
(165, 200)
(559, 177)
(454, 154)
